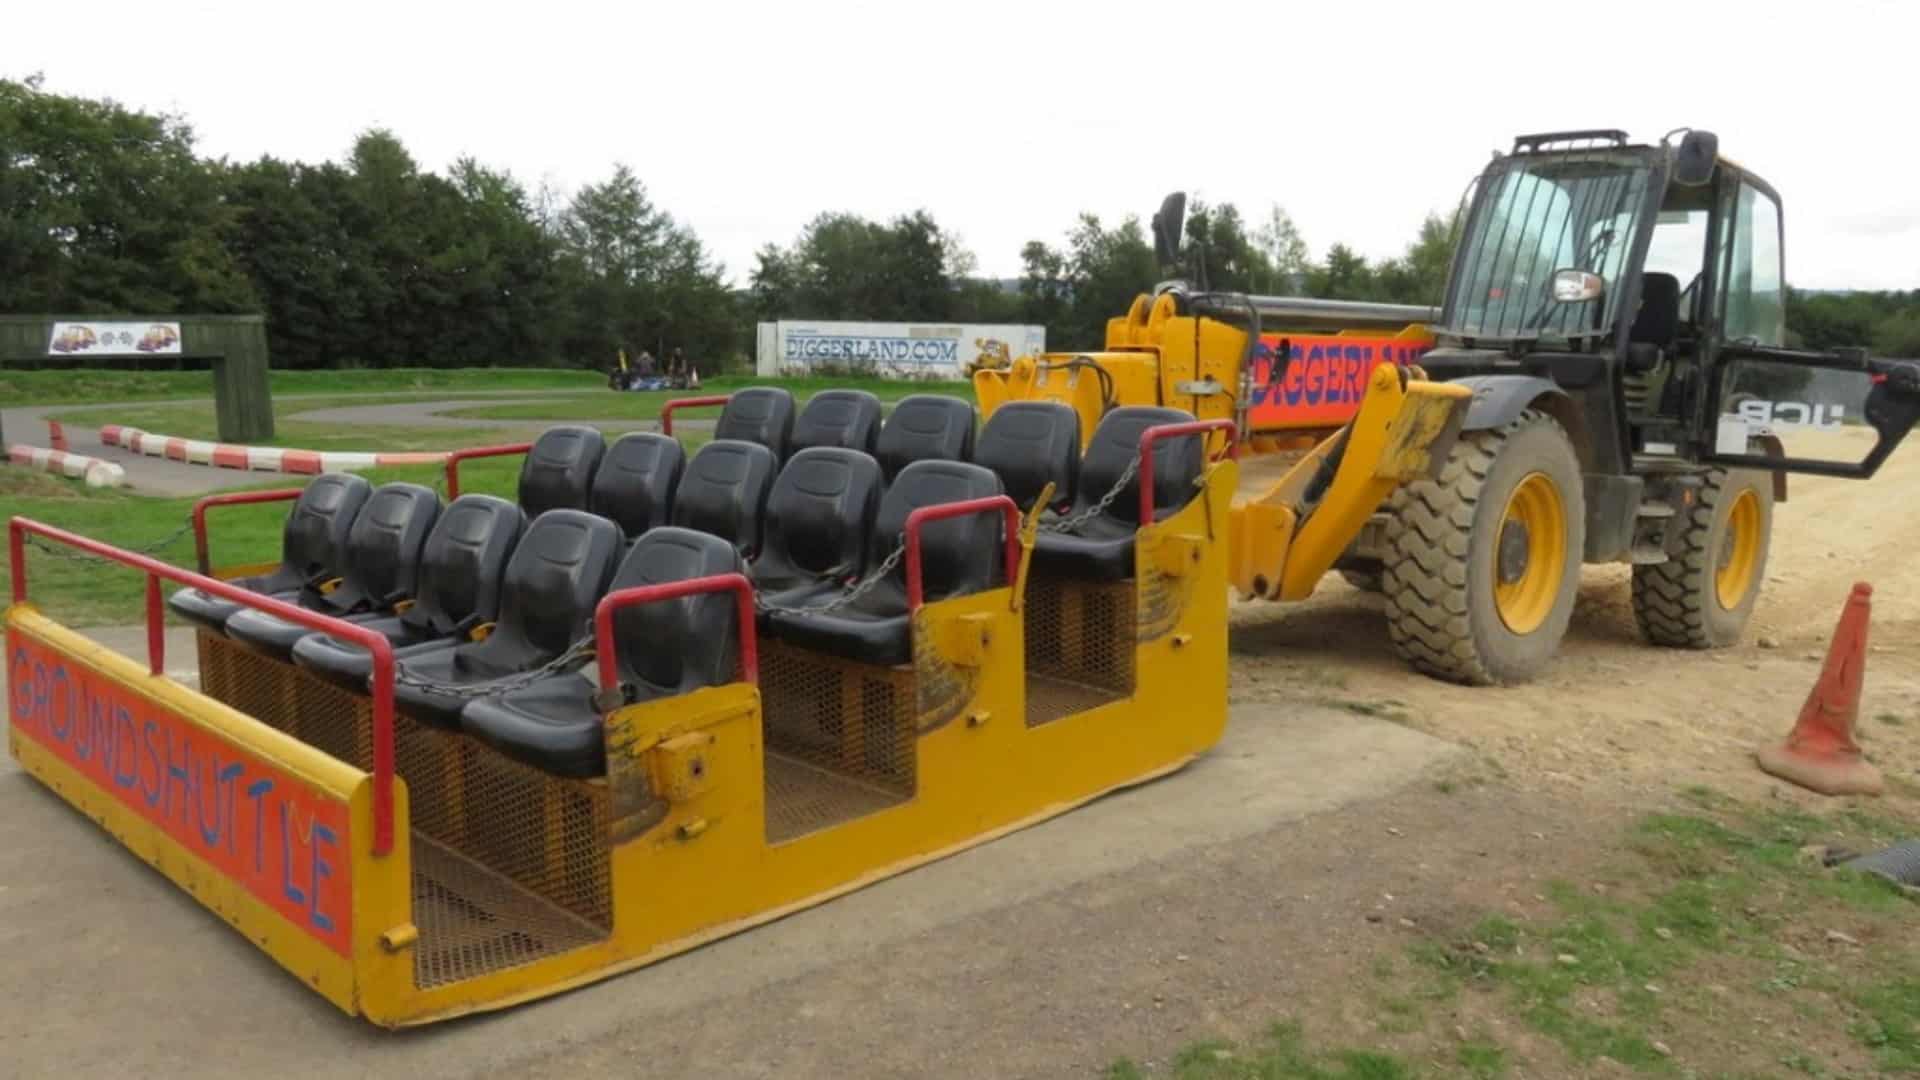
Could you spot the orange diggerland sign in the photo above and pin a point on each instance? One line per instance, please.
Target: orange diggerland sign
(275, 834)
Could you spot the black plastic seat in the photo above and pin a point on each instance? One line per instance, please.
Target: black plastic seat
(313, 545)
(758, 414)
(818, 517)
(1031, 444)
(724, 492)
(849, 419)
(556, 575)
(1100, 548)
(1657, 324)
(636, 481)
(383, 555)
(662, 649)
(926, 427)
(558, 471)
(456, 588)
(958, 556)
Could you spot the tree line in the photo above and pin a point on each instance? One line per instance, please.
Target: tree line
(376, 261)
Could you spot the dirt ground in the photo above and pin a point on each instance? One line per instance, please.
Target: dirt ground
(1615, 714)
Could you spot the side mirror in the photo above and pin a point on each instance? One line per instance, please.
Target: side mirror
(1169, 225)
(1694, 162)
(1577, 286)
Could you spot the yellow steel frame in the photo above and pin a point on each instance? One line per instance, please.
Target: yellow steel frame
(1282, 546)
(690, 856)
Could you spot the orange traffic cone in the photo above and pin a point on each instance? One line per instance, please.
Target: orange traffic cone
(1820, 753)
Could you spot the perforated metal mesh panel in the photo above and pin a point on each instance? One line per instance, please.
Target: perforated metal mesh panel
(510, 863)
(1080, 645)
(473, 921)
(840, 738)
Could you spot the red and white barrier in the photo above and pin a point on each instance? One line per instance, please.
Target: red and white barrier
(95, 471)
(255, 458)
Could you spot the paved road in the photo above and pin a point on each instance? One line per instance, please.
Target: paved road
(147, 475)
(112, 969)
(158, 476)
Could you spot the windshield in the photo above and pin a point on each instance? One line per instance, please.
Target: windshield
(1535, 217)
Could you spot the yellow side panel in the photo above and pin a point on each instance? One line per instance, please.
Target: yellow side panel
(268, 833)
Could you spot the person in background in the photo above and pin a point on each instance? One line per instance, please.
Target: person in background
(646, 364)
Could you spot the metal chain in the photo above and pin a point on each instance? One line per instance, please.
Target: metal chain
(1068, 524)
(73, 555)
(574, 653)
(850, 593)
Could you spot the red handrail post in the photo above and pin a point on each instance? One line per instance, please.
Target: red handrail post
(17, 559)
(918, 519)
(1167, 431)
(202, 558)
(156, 628)
(667, 408)
(741, 588)
(454, 458)
(370, 640)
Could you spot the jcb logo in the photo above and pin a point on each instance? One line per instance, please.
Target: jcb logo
(1791, 414)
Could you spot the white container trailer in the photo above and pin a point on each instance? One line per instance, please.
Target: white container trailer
(889, 350)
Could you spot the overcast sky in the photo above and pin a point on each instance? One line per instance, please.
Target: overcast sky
(1006, 120)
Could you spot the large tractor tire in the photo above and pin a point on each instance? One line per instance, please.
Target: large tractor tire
(1702, 597)
(1482, 565)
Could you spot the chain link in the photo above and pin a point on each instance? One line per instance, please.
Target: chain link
(1068, 524)
(574, 653)
(848, 595)
(59, 551)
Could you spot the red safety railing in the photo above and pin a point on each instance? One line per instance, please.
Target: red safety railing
(1167, 431)
(741, 588)
(455, 457)
(667, 410)
(918, 520)
(18, 528)
(236, 498)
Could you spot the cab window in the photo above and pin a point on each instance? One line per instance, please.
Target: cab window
(1753, 299)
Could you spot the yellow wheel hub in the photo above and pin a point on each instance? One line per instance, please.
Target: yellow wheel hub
(1530, 555)
(1739, 551)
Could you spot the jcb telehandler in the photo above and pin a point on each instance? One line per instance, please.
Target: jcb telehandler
(1615, 317)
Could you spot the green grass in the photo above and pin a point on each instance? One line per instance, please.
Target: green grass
(1281, 1055)
(1709, 896)
(196, 421)
(63, 387)
(91, 593)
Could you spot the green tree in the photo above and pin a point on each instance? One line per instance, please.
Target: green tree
(106, 209)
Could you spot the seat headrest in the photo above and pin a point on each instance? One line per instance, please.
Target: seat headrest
(758, 414)
(843, 418)
(677, 645)
(724, 491)
(1030, 444)
(1177, 462)
(559, 469)
(1658, 321)
(960, 554)
(926, 427)
(636, 481)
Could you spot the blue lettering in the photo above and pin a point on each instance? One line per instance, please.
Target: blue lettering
(153, 757)
(181, 772)
(224, 800)
(254, 791)
(287, 887)
(20, 677)
(123, 723)
(321, 868)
